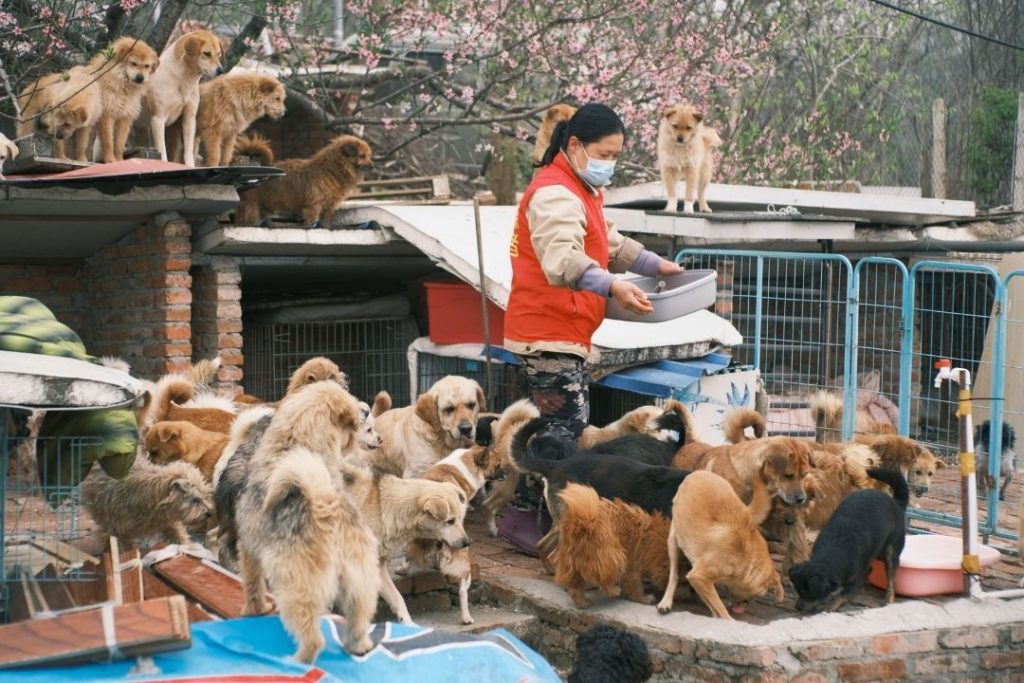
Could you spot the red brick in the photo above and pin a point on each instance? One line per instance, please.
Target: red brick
(1002, 660)
(177, 263)
(229, 374)
(828, 649)
(174, 332)
(891, 669)
(176, 228)
(743, 655)
(939, 664)
(177, 296)
(429, 581)
(229, 341)
(697, 673)
(970, 638)
(809, 677)
(229, 326)
(903, 643)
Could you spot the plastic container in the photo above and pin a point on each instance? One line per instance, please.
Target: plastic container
(683, 294)
(930, 565)
(453, 315)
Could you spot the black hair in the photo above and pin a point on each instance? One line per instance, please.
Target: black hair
(590, 123)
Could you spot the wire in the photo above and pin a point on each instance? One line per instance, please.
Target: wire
(951, 27)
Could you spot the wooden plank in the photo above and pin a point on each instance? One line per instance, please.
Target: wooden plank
(62, 551)
(37, 164)
(111, 564)
(54, 590)
(213, 589)
(98, 635)
(131, 575)
(154, 587)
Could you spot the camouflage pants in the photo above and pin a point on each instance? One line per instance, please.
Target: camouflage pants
(560, 387)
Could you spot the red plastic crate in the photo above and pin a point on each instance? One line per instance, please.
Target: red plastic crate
(453, 315)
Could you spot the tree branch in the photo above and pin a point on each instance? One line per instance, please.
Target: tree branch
(239, 46)
(170, 12)
(115, 21)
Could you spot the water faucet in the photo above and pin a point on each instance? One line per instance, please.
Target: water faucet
(945, 368)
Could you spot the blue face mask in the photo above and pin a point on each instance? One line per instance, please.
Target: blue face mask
(598, 172)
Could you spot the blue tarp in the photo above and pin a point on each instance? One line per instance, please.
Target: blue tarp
(665, 378)
(258, 650)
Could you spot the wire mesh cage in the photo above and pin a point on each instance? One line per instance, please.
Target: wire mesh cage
(371, 351)
(608, 404)
(509, 381)
(39, 524)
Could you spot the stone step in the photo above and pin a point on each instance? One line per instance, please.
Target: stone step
(486, 618)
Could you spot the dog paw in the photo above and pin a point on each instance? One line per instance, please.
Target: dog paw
(467, 620)
(402, 569)
(688, 207)
(663, 608)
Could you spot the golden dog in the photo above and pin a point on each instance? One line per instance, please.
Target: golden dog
(686, 150)
(123, 80)
(556, 113)
(169, 441)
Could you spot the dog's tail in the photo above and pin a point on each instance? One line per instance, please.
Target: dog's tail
(204, 372)
(381, 403)
(827, 411)
(688, 433)
(736, 421)
(585, 533)
(255, 145)
(553, 448)
(172, 389)
(301, 499)
(896, 481)
(711, 138)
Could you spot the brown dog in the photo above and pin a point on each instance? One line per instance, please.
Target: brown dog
(123, 81)
(609, 544)
(779, 462)
(169, 441)
(556, 113)
(312, 188)
(720, 538)
(916, 463)
(467, 468)
(502, 431)
(686, 150)
(175, 391)
(60, 107)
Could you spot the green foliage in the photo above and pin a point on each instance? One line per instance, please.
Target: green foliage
(989, 150)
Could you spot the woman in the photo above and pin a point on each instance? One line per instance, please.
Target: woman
(563, 254)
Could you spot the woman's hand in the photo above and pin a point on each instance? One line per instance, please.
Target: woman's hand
(669, 268)
(630, 297)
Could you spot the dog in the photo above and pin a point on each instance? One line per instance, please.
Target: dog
(868, 524)
(63, 106)
(686, 150)
(642, 420)
(442, 419)
(296, 526)
(151, 500)
(983, 446)
(551, 118)
(827, 412)
(172, 394)
(316, 369)
(123, 80)
(399, 510)
(8, 150)
(916, 463)
(605, 654)
(169, 441)
(312, 188)
(719, 536)
(609, 544)
(174, 89)
(467, 468)
(502, 432)
(228, 105)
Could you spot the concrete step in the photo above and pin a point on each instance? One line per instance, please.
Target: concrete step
(486, 618)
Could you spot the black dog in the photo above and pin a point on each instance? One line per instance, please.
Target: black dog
(868, 524)
(983, 446)
(625, 475)
(484, 433)
(605, 654)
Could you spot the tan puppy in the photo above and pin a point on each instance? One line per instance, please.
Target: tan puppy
(467, 468)
(228, 105)
(417, 436)
(8, 150)
(778, 462)
(916, 463)
(169, 441)
(558, 112)
(123, 73)
(318, 369)
(502, 432)
(609, 544)
(62, 106)
(398, 510)
(685, 150)
(719, 536)
(312, 188)
(174, 89)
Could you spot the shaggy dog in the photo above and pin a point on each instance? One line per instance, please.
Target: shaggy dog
(123, 81)
(868, 524)
(8, 150)
(686, 150)
(318, 369)
(169, 441)
(983, 446)
(719, 536)
(605, 654)
(556, 113)
(442, 419)
(916, 463)
(229, 104)
(502, 432)
(312, 188)
(297, 527)
(174, 89)
(60, 107)
(467, 468)
(152, 499)
(399, 510)
(609, 544)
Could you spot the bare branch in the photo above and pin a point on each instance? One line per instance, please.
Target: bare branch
(239, 46)
(170, 13)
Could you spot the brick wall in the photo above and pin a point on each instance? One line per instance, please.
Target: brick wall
(57, 285)
(217, 318)
(297, 134)
(140, 298)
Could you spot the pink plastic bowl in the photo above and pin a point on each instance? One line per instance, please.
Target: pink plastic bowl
(930, 565)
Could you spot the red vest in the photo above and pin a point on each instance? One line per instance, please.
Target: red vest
(538, 311)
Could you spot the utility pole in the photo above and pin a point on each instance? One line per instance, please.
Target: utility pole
(339, 23)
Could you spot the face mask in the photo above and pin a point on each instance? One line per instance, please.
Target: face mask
(598, 173)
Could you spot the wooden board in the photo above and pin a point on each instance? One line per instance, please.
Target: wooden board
(39, 164)
(217, 592)
(98, 634)
(154, 587)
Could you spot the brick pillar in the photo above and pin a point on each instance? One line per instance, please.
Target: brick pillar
(141, 297)
(217, 318)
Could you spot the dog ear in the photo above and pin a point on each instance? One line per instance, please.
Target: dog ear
(426, 409)
(940, 464)
(268, 86)
(668, 111)
(480, 398)
(481, 457)
(166, 434)
(193, 45)
(436, 506)
(76, 116)
(698, 116)
(351, 149)
(345, 416)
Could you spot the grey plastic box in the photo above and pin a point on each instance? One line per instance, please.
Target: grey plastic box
(683, 294)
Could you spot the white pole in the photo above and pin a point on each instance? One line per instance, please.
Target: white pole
(1018, 157)
(339, 24)
(939, 148)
